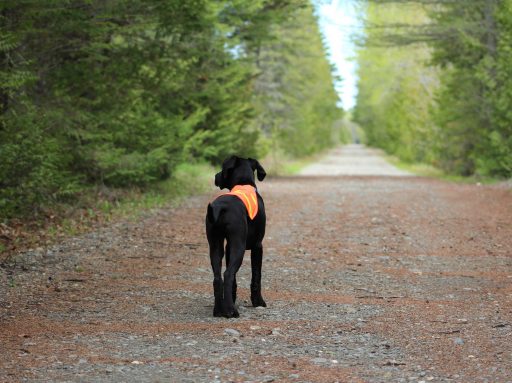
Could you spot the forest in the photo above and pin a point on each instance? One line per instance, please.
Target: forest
(118, 93)
(435, 83)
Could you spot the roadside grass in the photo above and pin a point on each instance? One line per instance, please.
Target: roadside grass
(187, 180)
(280, 164)
(430, 171)
(98, 206)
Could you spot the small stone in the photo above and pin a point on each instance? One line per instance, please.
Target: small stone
(458, 341)
(137, 362)
(294, 376)
(254, 328)
(231, 331)
(319, 360)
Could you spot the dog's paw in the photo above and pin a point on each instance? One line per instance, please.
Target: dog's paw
(232, 314)
(257, 301)
(217, 312)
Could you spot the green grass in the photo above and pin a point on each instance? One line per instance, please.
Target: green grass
(280, 164)
(187, 180)
(293, 167)
(99, 206)
(426, 170)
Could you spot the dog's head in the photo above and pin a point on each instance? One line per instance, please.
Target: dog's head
(239, 171)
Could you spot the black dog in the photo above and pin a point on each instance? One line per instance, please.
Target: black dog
(229, 217)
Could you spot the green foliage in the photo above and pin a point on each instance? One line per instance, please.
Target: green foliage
(34, 166)
(295, 96)
(461, 120)
(121, 92)
(396, 87)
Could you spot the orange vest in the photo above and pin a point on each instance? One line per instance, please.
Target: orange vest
(247, 194)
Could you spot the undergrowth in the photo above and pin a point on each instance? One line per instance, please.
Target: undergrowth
(100, 205)
(426, 170)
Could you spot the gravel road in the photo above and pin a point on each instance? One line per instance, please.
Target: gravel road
(353, 160)
(368, 277)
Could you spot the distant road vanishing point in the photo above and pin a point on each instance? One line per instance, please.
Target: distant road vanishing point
(353, 160)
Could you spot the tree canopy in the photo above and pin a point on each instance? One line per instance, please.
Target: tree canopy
(119, 92)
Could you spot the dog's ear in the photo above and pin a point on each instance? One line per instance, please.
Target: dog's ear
(260, 172)
(218, 179)
(227, 165)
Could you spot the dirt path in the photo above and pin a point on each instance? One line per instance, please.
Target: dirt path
(368, 279)
(353, 160)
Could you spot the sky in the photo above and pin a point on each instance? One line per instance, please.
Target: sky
(338, 21)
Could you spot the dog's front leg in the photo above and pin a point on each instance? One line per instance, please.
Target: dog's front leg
(256, 261)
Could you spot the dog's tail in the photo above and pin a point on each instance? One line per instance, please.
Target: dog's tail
(213, 213)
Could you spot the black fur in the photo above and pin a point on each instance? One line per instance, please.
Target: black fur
(227, 219)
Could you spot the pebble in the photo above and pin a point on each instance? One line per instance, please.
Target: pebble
(350, 346)
(231, 331)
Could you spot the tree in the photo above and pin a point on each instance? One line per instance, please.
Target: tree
(119, 92)
(471, 131)
(396, 87)
(295, 95)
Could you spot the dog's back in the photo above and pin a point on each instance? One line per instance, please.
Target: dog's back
(224, 210)
(227, 215)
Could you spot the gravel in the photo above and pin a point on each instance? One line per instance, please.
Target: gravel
(367, 278)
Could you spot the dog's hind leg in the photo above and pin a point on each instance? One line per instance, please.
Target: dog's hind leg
(234, 278)
(256, 261)
(216, 255)
(236, 255)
